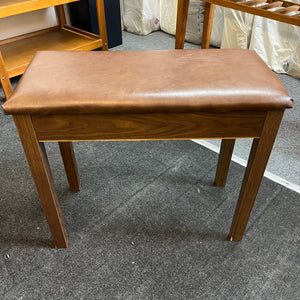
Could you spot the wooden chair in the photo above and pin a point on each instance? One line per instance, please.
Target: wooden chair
(282, 13)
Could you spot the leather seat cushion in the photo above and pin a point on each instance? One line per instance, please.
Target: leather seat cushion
(67, 82)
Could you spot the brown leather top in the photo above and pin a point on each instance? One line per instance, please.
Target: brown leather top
(63, 82)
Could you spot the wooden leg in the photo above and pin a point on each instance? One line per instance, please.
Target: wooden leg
(224, 162)
(4, 79)
(41, 173)
(207, 24)
(182, 14)
(257, 162)
(68, 156)
(60, 12)
(102, 23)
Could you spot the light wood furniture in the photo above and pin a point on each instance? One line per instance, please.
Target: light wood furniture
(17, 52)
(118, 96)
(282, 11)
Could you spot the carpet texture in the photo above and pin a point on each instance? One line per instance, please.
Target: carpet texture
(147, 224)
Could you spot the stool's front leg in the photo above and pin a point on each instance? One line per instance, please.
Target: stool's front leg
(68, 157)
(257, 162)
(41, 173)
(224, 162)
(182, 15)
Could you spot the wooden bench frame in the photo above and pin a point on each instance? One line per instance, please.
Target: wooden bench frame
(34, 130)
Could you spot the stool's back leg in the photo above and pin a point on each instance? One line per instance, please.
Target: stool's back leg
(4, 79)
(257, 162)
(224, 162)
(207, 24)
(182, 14)
(41, 173)
(69, 160)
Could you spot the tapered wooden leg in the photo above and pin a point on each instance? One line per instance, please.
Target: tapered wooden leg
(68, 157)
(182, 14)
(207, 24)
(41, 173)
(257, 162)
(224, 162)
(4, 79)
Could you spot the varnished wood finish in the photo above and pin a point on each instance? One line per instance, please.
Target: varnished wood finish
(18, 54)
(102, 23)
(35, 129)
(224, 162)
(28, 35)
(148, 126)
(60, 12)
(4, 79)
(182, 14)
(39, 166)
(262, 126)
(207, 24)
(82, 32)
(68, 157)
(14, 7)
(261, 11)
(265, 10)
(18, 51)
(257, 162)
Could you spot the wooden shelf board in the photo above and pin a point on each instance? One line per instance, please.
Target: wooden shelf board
(14, 7)
(18, 54)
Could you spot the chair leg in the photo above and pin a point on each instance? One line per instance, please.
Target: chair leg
(182, 14)
(224, 162)
(69, 160)
(41, 173)
(207, 24)
(257, 162)
(4, 79)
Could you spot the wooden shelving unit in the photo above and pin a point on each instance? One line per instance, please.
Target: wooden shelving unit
(14, 7)
(17, 52)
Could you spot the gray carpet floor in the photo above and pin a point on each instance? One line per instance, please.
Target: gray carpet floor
(147, 224)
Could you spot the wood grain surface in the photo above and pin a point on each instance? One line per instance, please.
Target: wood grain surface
(224, 162)
(14, 7)
(153, 126)
(69, 160)
(18, 52)
(41, 173)
(4, 79)
(207, 24)
(257, 162)
(182, 14)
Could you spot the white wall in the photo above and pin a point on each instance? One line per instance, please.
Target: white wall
(28, 22)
